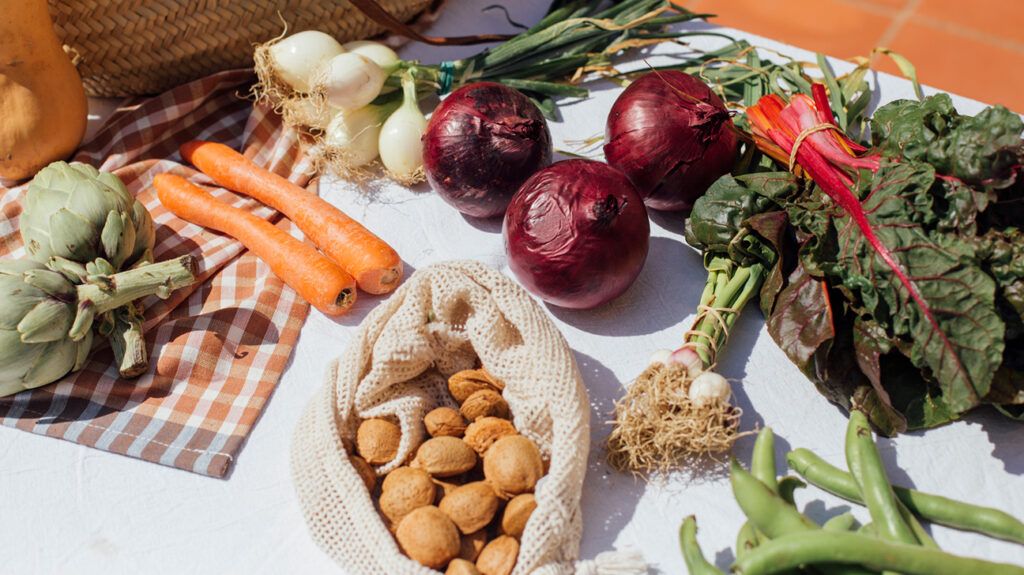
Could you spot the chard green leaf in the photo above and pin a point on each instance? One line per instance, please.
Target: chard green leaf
(957, 336)
(981, 150)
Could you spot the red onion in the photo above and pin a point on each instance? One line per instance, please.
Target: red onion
(576, 234)
(672, 136)
(481, 144)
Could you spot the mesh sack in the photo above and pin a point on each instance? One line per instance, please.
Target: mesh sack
(441, 321)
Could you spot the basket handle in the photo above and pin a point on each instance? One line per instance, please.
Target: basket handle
(378, 14)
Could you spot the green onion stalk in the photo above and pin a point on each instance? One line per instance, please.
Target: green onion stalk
(679, 408)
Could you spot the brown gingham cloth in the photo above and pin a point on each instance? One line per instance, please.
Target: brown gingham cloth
(218, 348)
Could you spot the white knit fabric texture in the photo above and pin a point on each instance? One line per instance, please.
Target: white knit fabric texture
(444, 318)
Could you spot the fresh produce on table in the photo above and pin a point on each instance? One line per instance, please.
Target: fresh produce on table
(43, 110)
(47, 317)
(316, 278)
(445, 508)
(483, 141)
(576, 234)
(374, 264)
(341, 95)
(779, 539)
(672, 136)
(79, 220)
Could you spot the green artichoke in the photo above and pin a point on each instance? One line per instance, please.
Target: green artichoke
(37, 310)
(47, 322)
(74, 211)
(77, 217)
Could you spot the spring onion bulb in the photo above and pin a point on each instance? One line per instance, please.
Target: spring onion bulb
(380, 54)
(350, 81)
(709, 388)
(353, 134)
(298, 57)
(401, 146)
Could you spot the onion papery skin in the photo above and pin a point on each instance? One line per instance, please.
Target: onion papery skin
(577, 233)
(672, 136)
(481, 144)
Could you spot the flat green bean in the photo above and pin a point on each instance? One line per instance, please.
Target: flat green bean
(788, 486)
(935, 508)
(766, 510)
(746, 539)
(817, 547)
(843, 522)
(696, 564)
(869, 473)
(762, 462)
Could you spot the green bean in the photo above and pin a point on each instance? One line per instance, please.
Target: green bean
(935, 508)
(762, 463)
(771, 515)
(766, 510)
(869, 473)
(788, 486)
(746, 539)
(816, 547)
(923, 537)
(696, 564)
(842, 522)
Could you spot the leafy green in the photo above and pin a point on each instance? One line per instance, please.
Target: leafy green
(938, 203)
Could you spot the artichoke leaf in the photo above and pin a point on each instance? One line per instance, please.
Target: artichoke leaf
(112, 238)
(16, 356)
(16, 300)
(56, 361)
(51, 283)
(72, 237)
(145, 235)
(50, 320)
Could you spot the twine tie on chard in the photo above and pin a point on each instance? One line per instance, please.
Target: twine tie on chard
(804, 135)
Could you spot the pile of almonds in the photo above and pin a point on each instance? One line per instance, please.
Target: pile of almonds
(463, 501)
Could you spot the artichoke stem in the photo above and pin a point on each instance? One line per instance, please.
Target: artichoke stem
(127, 342)
(130, 285)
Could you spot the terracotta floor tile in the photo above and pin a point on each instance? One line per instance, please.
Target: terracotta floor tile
(1002, 18)
(964, 65)
(837, 27)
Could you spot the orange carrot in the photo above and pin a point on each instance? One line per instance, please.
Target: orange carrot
(375, 265)
(317, 279)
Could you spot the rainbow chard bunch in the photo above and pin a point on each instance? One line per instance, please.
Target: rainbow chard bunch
(905, 292)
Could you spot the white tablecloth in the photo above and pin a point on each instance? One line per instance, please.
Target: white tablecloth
(69, 509)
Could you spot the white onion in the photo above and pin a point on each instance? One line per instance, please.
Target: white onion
(401, 146)
(306, 113)
(351, 81)
(709, 388)
(354, 134)
(297, 57)
(380, 54)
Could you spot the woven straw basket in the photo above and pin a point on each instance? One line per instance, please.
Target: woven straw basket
(133, 47)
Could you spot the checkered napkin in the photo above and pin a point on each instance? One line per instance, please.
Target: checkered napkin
(217, 348)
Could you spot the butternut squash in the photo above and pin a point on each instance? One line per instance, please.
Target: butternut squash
(43, 110)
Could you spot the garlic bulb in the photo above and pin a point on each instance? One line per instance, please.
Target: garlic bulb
(401, 146)
(380, 54)
(297, 57)
(350, 81)
(709, 388)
